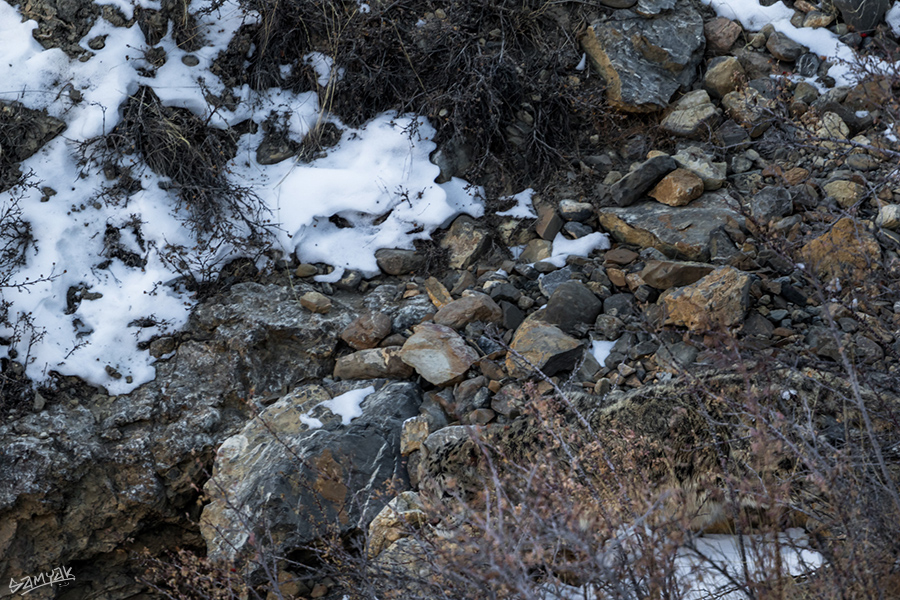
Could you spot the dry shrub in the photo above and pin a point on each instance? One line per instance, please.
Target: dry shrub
(497, 77)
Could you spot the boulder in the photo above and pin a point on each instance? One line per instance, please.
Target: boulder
(749, 108)
(718, 300)
(544, 347)
(862, 15)
(721, 34)
(784, 48)
(280, 481)
(723, 76)
(645, 61)
(438, 354)
(676, 231)
(395, 261)
(61, 467)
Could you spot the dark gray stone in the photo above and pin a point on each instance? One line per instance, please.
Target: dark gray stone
(636, 184)
(619, 305)
(395, 261)
(549, 282)
(862, 15)
(573, 230)
(770, 203)
(645, 61)
(572, 304)
(784, 48)
(807, 65)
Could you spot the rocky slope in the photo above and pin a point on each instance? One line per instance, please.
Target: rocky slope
(766, 233)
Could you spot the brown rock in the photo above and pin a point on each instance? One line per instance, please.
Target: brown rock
(724, 75)
(620, 256)
(415, 431)
(437, 353)
(437, 292)
(315, 302)
(372, 364)
(678, 188)
(465, 241)
(544, 347)
(846, 193)
(718, 300)
(536, 250)
(796, 176)
(721, 33)
(548, 224)
(817, 19)
(846, 250)
(394, 522)
(367, 330)
(664, 274)
(474, 307)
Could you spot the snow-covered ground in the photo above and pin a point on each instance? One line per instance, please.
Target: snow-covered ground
(375, 170)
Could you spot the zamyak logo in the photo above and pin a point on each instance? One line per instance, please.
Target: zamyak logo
(60, 575)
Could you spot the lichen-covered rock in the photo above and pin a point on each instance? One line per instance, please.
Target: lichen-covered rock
(465, 241)
(646, 60)
(288, 481)
(847, 250)
(718, 300)
(438, 353)
(373, 363)
(694, 115)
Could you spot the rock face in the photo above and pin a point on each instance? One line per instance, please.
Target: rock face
(718, 300)
(79, 480)
(645, 61)
(438, 353)
(676, 231)
(287, 479)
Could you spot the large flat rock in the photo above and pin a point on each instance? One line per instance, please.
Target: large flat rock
(678, 231)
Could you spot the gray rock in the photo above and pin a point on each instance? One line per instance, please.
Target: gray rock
(666, 274)
(862, 15)
(469, 308)
(645, 61)
(574, 231)
(395, 261)
(636, 184)
(676, 231)
(438, 354)
(723, 76)
(692, 116)
(807, 65)
(570, 210)
(699, 162)
(373, 363)
(784, 48)
(549, 282)
(572, 305)
(287, 480)
(619, 305)
(773, 202)
(543, 347)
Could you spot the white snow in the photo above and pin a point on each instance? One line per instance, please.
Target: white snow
(523, 208)
(601, 349)
(564, 248)
(893, 18)
(380, 171)
(346, 406)
(752, 16)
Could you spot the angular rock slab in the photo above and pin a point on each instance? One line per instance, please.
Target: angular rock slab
(290, 488)
(719, 300)
(693, 116)
(645, 61)
(438, 353)
(544, 346)
(682, 231)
